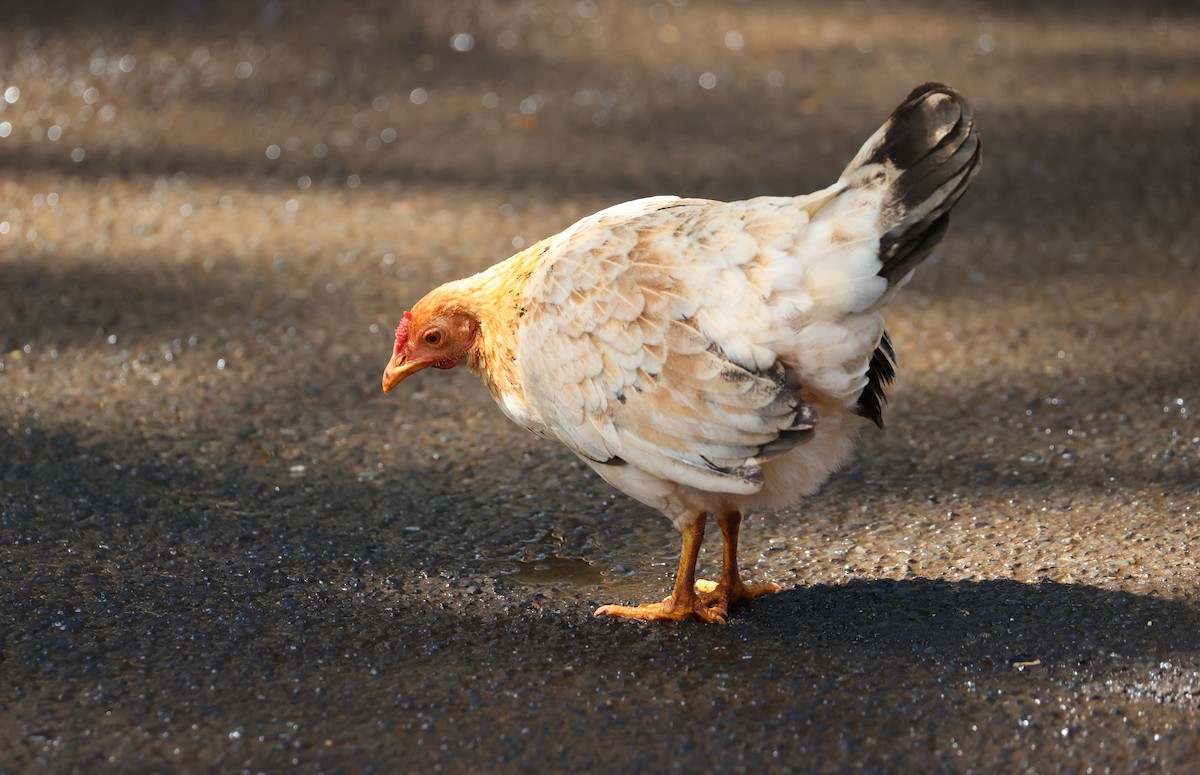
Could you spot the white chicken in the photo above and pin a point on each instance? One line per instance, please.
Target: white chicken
(710, 358)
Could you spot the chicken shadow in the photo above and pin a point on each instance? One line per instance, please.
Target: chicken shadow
(994, 623)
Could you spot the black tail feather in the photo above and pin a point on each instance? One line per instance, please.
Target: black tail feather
(880, 374)
(931, 149)
(924, 157)
(911, 248)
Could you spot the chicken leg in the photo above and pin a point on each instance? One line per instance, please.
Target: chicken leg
(683, 603)
(731, 589)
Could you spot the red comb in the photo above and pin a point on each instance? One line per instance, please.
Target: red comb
(402, 333)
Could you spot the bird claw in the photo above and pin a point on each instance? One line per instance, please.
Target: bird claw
(710, 604)
(671, 609)
(718, 598)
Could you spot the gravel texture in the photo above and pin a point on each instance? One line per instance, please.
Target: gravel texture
(222, 549)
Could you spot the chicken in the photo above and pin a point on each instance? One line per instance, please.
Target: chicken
(710, 358)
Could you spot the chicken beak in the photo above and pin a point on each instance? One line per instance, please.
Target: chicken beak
(399, 368)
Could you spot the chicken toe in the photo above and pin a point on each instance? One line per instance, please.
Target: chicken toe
(671, 609)
(719, 597)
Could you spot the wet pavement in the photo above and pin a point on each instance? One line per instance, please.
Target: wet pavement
(224, 550)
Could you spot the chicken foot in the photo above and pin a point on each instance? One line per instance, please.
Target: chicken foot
(702, 599)
(684, 602)
(718, 596)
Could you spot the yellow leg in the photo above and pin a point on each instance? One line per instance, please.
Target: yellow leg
(731, 589)
(683, 603)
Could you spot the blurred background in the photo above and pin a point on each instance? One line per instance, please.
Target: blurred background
(221, 545)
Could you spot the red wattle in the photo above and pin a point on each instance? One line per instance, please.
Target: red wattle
(402, 333)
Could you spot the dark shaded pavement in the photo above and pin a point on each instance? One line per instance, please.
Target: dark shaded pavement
(221, 549)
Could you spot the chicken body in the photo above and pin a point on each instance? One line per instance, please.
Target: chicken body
(710, 358)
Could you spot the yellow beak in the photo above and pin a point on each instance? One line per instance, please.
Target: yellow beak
(399, 368)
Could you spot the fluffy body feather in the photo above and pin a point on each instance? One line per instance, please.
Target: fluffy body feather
(718, 357)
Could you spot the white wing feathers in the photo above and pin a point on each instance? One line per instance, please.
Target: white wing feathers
(675, 335)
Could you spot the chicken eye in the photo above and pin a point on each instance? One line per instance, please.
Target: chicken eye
(433, 338)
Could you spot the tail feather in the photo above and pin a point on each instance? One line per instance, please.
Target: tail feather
(925, 154)
(880, 373)
(924, 157)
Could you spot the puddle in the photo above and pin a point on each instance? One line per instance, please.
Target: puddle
(552, 569)
(541, 563)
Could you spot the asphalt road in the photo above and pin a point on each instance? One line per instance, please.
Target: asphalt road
(222, 549)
